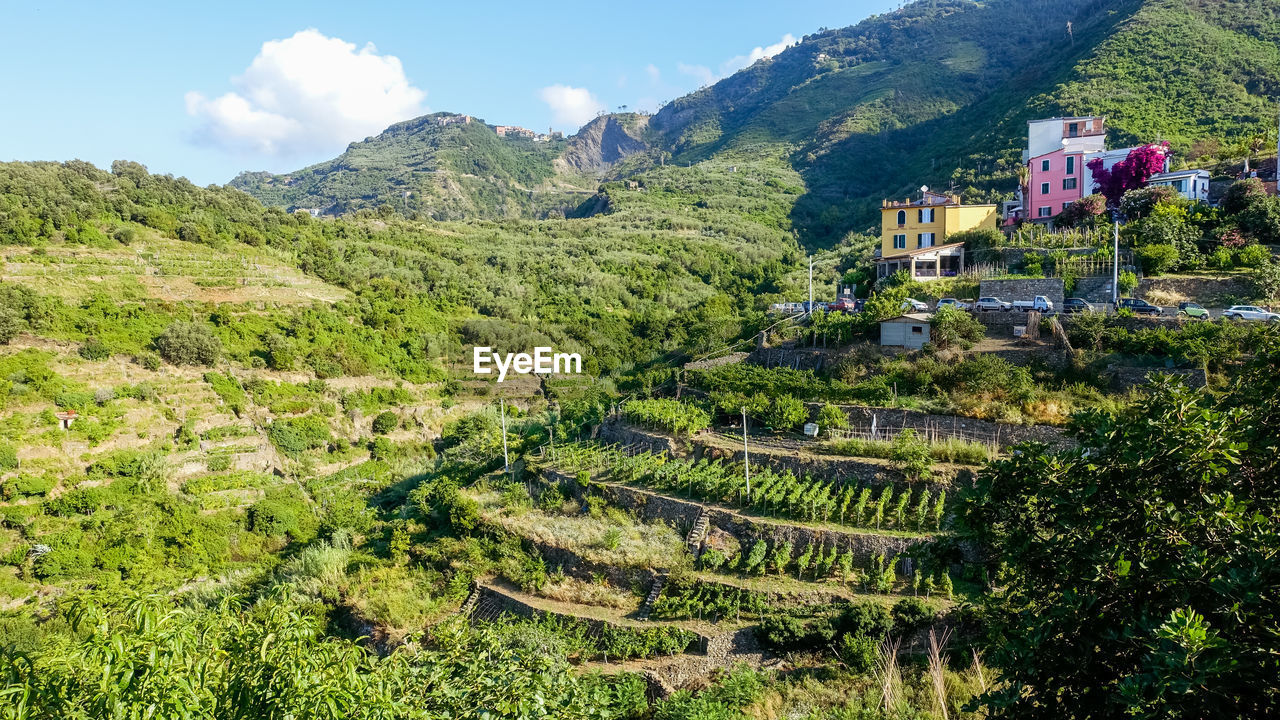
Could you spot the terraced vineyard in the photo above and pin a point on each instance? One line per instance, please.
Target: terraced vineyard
(160, 267)
(694, 550)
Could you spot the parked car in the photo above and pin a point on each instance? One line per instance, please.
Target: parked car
(1193, 310)
(844, 305)
(988, 304)
(913, 305)
(1041, 303)
(1140, 307)
(1250, 312)
(952, 302)
(1076, 305)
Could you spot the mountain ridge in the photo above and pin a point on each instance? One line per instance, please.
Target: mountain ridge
(937, 92)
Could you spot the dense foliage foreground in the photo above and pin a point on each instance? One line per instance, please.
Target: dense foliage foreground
(1138, 573)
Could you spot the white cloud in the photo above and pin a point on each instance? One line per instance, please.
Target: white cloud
(305, 94)
(655, 75)
(570, 106)
(701, 73)
(737, 62)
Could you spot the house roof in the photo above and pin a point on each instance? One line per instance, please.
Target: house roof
(1179, 173)
(911, 317)
(921, 251)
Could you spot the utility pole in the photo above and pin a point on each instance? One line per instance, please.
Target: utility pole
(1115, 269)
(506, 461)
(810, 284)
(746, 463)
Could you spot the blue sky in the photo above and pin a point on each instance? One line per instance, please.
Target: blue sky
(206, 90)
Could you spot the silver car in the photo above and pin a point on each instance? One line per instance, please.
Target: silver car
(1249, 312)
(952, 302)
(992, 303)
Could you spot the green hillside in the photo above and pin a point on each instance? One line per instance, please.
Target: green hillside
(451, 171)
(938, 93)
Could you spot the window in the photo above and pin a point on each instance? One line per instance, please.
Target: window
(1044, 165)
(1069, 184)
(1045, 211)
(902, 218)
(917, 330)
(1180, 185)
(1066, 205)
(899, 242)
(924, 240)
(926, 216)
(1073, 130)
(1071, 165)
(1044, 188)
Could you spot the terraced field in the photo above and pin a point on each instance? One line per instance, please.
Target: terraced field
(168, 269)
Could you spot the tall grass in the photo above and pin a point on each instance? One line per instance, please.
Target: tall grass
(951, 450)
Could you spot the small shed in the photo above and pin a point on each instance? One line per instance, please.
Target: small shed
(909, 331)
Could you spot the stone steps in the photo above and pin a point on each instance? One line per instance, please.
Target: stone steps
(652, 598)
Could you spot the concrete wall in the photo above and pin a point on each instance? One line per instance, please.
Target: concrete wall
(1011, 290)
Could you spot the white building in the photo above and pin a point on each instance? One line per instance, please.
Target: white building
(909, 331)
(1190, 184)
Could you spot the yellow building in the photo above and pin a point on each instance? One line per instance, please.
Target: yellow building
(914, 233)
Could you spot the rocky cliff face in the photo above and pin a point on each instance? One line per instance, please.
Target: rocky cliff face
(604, 141)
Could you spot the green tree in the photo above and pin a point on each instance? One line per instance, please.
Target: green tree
(186, 343)
(1137, 575)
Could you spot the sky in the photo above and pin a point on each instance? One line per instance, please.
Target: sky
(206, 90)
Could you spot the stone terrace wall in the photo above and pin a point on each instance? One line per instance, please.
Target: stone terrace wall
(1023, 289)
(495, 600)
(617, 431)
(1124, 378)
(792, 357)
(682, 513)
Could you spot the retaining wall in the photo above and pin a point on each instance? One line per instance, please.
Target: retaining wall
(500, 600)
(1011, 290)
(1124, 378)
(654, 507)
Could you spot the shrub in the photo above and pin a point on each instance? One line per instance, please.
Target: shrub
(385, 422)
(283, 513)
(94, 349)
(910, 454)
(1254, 256)
(1142, 202)
(951, 327)
(29, 486)
(185, 343)
(830, 416)
(150, 361)
(299, 434)
(8, 456)
(1157, 258)
(1242, 194)
(1222, 259)
(1081, 213)
(910, 614)
(1128, 282)
(786, 412)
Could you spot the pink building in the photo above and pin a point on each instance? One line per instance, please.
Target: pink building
(1055, 158)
